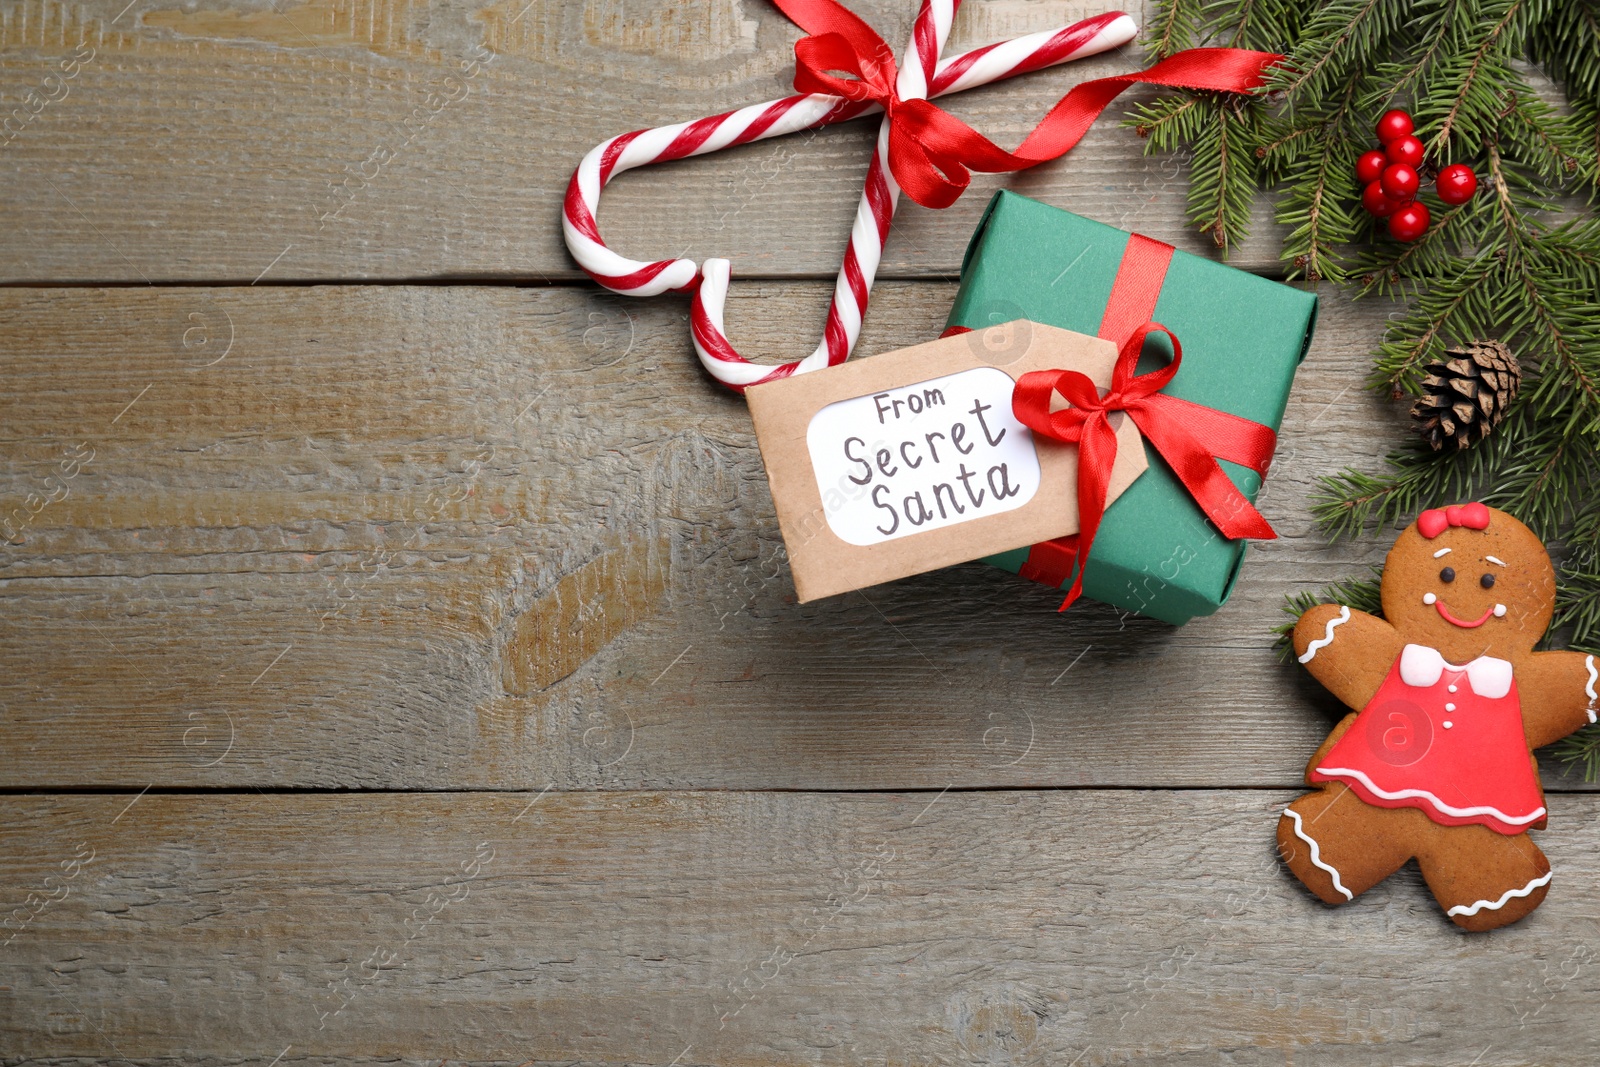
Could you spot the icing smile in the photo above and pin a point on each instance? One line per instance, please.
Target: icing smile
(1444, 613)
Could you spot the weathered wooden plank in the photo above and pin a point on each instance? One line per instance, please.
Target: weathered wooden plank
(762, 929)
(355, 139)
(432, 537)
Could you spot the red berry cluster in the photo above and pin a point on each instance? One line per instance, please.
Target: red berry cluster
(1391, 181)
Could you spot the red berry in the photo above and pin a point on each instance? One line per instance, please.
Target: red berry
(1393, 126)
(1457, 184)
(1407, 150)
(1377, 205)
(1369, 168)
(1409, 223)
(1400, 183)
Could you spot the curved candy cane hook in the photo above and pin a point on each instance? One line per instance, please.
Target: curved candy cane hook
(878, 202)
(789, 115)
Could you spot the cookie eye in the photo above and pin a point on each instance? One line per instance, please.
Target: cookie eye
(1448, 574)
(1487, 581)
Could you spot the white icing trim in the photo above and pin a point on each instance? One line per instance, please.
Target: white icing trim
(1460, 813)
(1316, 853)
(1588, 687)
(1429, 598)
(1496, 905)
(1495, 559)
(1327, 638)
(1441, 552)
(1499, 611)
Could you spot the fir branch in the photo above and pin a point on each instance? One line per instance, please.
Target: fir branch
(1447, 310)
(1467, 88)
(1176, 27)
(1538, 313)
(1582, 750)
(1358, 594)
(1222, 180)
(1280, 146)
(1392, 268)
(1394, 83)
(1316, 206)
(1351, 502)
(1167, 121)
(1336, 40)
(1567, 45)
(1549, 142)
(1264, 25)
(1515, 263)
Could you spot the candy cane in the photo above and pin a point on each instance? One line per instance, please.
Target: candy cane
(774, 119)
(861, 256)
(789, 115)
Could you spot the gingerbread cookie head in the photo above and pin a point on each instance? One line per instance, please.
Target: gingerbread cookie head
(1469, 581)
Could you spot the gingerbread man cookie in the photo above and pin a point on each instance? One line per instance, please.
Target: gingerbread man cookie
(1436, 764)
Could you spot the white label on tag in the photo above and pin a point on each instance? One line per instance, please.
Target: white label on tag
(923, 456)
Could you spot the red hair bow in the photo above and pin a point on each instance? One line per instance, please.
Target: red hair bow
(1435, 521)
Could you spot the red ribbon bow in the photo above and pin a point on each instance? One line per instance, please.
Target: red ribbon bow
(931, 152)
(1435, 521)
(1190, 437)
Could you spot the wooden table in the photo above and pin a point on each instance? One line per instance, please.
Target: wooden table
(407, 667)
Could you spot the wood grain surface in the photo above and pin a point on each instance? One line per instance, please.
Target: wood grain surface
(363, 139)
(497, 538)
(766, 929)
(411, 672)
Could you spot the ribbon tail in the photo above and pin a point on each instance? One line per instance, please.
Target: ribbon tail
(1097, 453)
(943, 136)
(1234, 70)
(1051, 562)
(1198, 470)
(1226, 436)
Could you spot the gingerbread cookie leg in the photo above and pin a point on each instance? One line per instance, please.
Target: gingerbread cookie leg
(1341, 847)
(1483, 879)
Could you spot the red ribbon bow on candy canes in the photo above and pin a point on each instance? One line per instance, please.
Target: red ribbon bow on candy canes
(920, 148)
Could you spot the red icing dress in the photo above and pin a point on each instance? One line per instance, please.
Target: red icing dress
(1446, 739)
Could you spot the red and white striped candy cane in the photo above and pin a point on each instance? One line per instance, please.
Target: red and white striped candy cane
(861, 255)
(789, 115)
(774, 119)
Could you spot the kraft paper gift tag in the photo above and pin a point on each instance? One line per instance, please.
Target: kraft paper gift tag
(911, 460)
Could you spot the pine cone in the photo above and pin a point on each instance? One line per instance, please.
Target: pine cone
(1466, 395)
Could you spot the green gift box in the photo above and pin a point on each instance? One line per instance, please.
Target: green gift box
(1156, 553)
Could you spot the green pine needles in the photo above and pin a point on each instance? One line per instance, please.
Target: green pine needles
(1512, 89)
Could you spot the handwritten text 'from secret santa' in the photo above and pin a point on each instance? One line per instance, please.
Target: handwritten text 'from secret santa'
(918, 457)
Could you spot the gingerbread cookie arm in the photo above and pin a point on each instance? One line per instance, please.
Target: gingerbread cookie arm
(1560, 693)
(1349, 652)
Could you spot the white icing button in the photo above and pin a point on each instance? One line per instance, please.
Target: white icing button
(1428, 598)
(1499, 611)
(1448, 724)
(1449, 707)
(1452, 689)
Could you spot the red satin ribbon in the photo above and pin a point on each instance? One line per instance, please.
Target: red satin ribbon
(931, 152)
(1166, 422)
